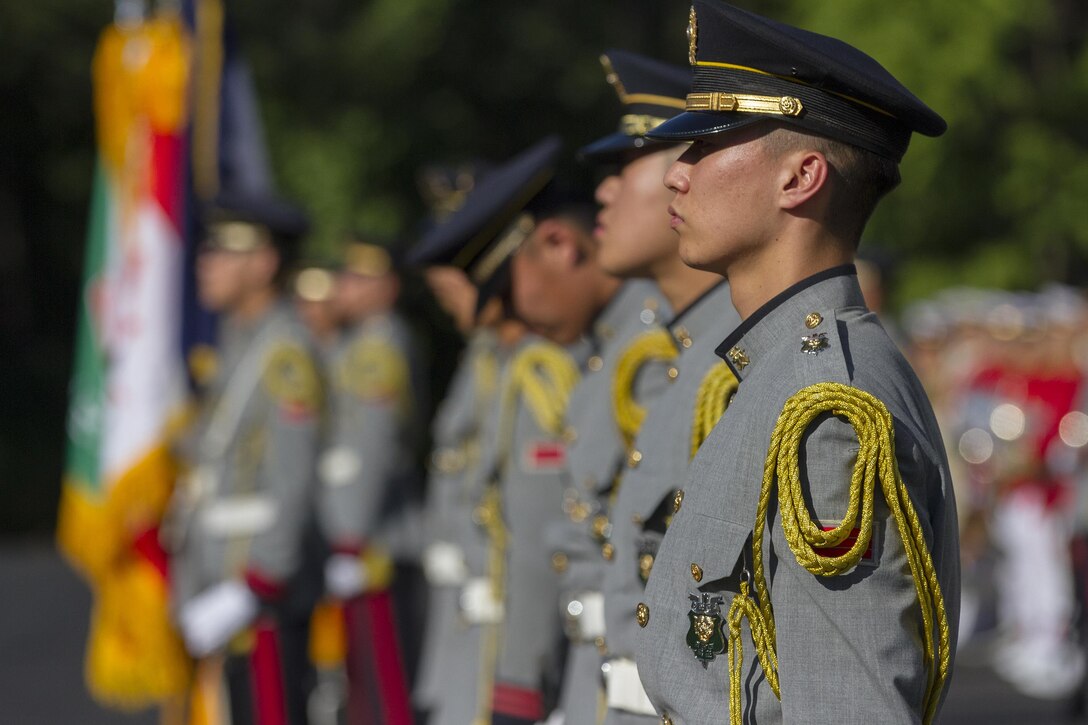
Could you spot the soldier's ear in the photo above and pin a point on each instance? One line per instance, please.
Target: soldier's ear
(802, 175)
(559, 243)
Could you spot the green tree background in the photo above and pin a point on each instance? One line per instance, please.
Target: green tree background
(356, 96)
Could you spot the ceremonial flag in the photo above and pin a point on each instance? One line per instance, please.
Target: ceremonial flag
(129, 387)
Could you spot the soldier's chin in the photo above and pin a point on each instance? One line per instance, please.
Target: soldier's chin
(213, 300)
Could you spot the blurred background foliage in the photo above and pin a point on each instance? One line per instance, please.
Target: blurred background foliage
(357, 96)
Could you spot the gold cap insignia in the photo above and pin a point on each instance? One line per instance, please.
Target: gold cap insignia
(693, 35)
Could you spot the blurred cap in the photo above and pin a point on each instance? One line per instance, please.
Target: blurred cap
(650, 93)
(243, 222)
(314, 284)
(493, 221)
(749, 68)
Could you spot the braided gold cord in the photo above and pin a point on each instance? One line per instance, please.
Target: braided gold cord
(875, 460)
(711, 400)
(543, 375)
(744, 606)
(655, 345)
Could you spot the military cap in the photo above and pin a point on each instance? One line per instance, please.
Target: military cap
(314, 283)
(237, 222)
(749, 68)
(493, 221)
(367, 255)
(650, 92)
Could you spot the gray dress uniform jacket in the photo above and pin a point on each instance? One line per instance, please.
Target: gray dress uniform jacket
(242, 509)
(594, 457)
(646, 492)
(849, 646)
(456, 434)
(458, 694)
(368, 464)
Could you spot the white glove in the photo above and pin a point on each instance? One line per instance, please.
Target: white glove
(556, 718)
(345, 576)
(211, 618)
(444, 564)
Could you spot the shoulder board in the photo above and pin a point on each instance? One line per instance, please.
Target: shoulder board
(374, 369)
(291, 377)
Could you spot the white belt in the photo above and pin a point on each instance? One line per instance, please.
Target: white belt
(239, 515)
(444, 564)
(624, 688)
(479, 605)
(584, 614)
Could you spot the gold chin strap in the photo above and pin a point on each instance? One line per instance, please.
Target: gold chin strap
(875, 462)
(744, 103)
(514, 236)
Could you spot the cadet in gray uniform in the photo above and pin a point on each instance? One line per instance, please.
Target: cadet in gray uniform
(367, 472)
(636, 241)
(596, 454)
(810, 571)
(457, 441)
(238, 517)
(558, 290)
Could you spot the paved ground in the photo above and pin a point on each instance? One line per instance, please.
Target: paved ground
(43, 624)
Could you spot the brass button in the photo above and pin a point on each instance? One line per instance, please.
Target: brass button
(666, 720)
(696, 572)
(595, 363)
(602, 647)
(682, 336)
(645, 566)
(636, 519)
(579, 512)
(570, 434)
(601, 526)
(673, 373)
(634, 458)
(559, 562)
(642, 614)
(813, 320)
(677, 500)
(608, 551)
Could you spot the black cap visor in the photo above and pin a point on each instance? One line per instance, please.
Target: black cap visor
(691, 125)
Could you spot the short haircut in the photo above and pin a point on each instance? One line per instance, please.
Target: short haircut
(859, 178)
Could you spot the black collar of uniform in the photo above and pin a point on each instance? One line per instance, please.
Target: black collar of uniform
(681, 314)
(722, 351)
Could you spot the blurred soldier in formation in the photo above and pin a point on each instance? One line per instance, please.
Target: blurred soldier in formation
(368, 475)
(237, 523)
(516, 223)
(456, 436)
(637, 242)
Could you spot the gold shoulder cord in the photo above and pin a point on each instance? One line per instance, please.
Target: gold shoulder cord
(656, 345)
(713, 398)
(543, 375)
(876, 459)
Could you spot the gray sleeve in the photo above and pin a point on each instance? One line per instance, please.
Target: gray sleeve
(287, 472)
(849, 646)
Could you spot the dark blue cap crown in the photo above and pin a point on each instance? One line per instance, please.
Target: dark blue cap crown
(480, 236)
(749, 68)
(650, 92)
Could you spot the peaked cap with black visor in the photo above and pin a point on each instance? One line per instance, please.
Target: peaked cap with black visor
(495, 219)
(749, 68)
(650, 92)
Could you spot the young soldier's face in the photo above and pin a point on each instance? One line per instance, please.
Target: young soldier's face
(723, 204)
(225, 278)
(633, 225)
